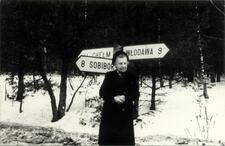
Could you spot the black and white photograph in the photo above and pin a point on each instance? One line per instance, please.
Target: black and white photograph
(112, 72)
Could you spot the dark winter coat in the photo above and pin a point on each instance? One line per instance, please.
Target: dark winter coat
(116, 127)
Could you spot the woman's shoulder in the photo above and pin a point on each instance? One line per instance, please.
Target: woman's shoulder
(111, 73)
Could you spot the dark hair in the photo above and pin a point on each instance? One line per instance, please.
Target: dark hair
(119, 53)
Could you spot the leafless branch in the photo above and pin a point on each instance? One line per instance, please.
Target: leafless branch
(146, 84)
(71, 102)
(212, 37)
(177, 81)
(71, 84)
(222, 12)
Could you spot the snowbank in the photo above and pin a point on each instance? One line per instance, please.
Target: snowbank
(176, 112)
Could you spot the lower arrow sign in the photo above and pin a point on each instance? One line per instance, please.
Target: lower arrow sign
(94, 64)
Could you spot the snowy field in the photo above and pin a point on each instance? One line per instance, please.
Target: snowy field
(180, 111)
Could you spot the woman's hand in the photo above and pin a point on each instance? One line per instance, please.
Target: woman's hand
(119, 99)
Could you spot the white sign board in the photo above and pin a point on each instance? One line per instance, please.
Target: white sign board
(94, 64)
(99, 60)
(148, 51)
(99, 52)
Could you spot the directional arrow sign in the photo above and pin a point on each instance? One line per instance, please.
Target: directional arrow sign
(148, 51)
(99, 60)
(99, 52)
(137, 52)
(94, 64)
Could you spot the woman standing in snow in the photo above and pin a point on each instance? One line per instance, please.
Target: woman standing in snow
(119, 90)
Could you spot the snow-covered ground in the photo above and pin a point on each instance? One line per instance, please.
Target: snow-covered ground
(181, 111)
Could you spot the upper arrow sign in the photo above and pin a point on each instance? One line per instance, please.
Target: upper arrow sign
(99, 52)
(148, 51)
(137, 52)
(94, 64)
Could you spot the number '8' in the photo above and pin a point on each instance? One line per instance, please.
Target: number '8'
(82, 63)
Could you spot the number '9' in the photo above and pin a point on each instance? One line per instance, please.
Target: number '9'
(159, 50)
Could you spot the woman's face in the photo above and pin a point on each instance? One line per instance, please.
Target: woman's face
(121, 64)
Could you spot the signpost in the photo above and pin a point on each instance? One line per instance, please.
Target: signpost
(94, 64)
(99, 60)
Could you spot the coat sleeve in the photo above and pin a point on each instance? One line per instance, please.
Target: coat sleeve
(106, 91)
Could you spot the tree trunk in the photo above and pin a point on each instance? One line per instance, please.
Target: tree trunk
(49, 88)
(65, 61)
(170, 78)
(35, 83)
(205, 93)
(153, 90)
(6, 93)
(190, 76)
(136, 109)
(161, 81)
(21, 86)
(52, 96)
(218, 77)
(21, 106)
(212, 77)
(1, 48)
(63, 87)
(0, 57)
(141, 78)
(160, 75)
